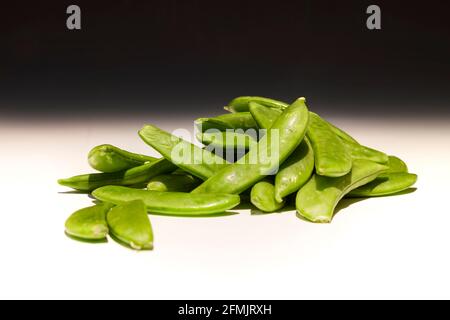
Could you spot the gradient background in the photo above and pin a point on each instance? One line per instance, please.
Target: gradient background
(167, 62)
(135, 57)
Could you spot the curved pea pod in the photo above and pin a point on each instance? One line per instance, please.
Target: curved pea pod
(173, 183)
(386, 184)
(228, 140)
(341, 133)
(396, 165)
(317, 199)
(264, 117)
(295, 171)
(197, 161)
(108, 158)
(89, 224)
(262, 196)
(129, 224)
(131, 177)
(170, 203)
(241, 104)
(359, 151)
(332, 159)
(242, 120)
(264, 159)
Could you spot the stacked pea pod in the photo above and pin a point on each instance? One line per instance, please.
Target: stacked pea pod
(278, 151)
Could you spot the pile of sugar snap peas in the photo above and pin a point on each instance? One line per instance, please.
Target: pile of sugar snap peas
(317, 164)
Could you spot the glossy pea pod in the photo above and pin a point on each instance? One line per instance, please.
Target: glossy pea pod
(395, 180)
(134, 176)
(228, 140)
(129, 224)
(169, 203)
(331, 157)
(285, 135)
(317, 199)
(89, 224)
(262, 196)
(242, 120)
(241, 104)
(108, 158)
(358, 151)
(194, 160)
(173, 183)
(264, 117)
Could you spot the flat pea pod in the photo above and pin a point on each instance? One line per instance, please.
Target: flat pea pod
(359, 151)
(89, 224)
(272, 149)
(241, 104)
(194, 160)
(317, 199)
(386, 184)
(228, 140)
(108, 158)
(332, 159)
(243, 120)
(264, 117)
(262, 196)
(295, 171)
(129, 224)
(170, 203)
(173, 183)
(396, 165)
(134, 176)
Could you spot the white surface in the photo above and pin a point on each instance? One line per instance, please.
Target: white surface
(393, 247)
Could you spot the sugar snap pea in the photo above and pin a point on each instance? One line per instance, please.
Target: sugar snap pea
(130, 225)
(341, 133)
(241, 104)
(285, 135)
(134, 176)
(262, 196)
(264, 117)
(227, 140)
(295, 171)
(359, 151)
(89, 223)
(169, 203)
(108, 158)
(396, 165)
(173, 183)
(317, 199)
(242, 120)
(332, 159)
(199, 162)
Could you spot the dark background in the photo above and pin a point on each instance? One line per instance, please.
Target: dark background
(170, 57)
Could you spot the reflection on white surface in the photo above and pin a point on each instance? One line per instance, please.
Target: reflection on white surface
(393, 247)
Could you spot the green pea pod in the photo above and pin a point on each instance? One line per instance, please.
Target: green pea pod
(197, 161)
(341, 133)
(173, 183)
(317, 199)
(295, 171)
(262, 196)
(227, 140)
(108, 158)
(332, 159)
(129, 224)
(134, 176)
(386, 184)
(243, 120)
(264, 117)
(170, 203)
(396, 165)
(358, 151)
(89, 224)
(241, 104)
(264, 159)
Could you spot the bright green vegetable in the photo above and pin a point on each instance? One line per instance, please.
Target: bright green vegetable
(129, 223)
(386, 184)
(174, 183)
(170, 203)
(295, 171)
(264, 117)
(262, 197)
(332, 159)
(396, 165)
(227, 140)
(241, 104)
(89, 224)
(341, 133)
(274, 148)
(197, 161)
(317, 199)
(108, 158)
(134, 176)
(243, 120)
(358, 151)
